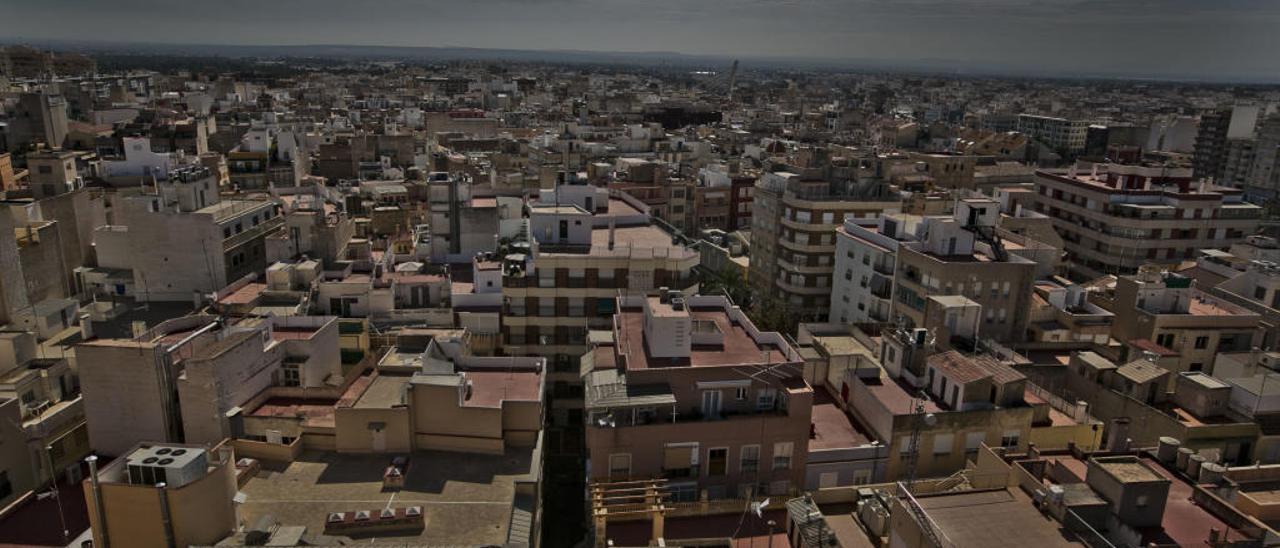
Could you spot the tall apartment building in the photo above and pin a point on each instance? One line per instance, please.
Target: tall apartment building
(579, 260)
(1059, 134)
(1210, 154)
(1114, 221)
(866, 256)
(793, 238)
(691, 391)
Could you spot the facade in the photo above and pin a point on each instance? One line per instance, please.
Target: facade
(1116, 221)
(567, 285)
(1060, 134)
(1162, 312)
(865, 258)
(793, 241)
(693, 392)
(184, 241)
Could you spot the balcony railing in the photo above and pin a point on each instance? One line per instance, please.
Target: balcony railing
(253, 232)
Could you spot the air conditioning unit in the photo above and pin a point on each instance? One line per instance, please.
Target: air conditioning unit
(174, 466)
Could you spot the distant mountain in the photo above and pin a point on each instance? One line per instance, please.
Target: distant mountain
(940, 66)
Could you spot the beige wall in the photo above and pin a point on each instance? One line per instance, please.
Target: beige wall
(202, 512)
(355, 436)
(122, 394)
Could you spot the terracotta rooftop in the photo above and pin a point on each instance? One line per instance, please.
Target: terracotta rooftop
(958, 367)
(738, 349)
(491, 388)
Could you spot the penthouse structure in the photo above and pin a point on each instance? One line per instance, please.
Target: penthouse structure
(1116, 220)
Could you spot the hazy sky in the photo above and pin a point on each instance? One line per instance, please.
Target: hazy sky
(1181, 37)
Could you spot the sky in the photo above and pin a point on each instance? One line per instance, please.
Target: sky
(1187, 38)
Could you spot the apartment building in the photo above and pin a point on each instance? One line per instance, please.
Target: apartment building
(1118, 218)
(1162, 312)
(183, 240)
(866, 256)
(1060, 134)
(964, 256)
(793, 239)
(577, 264)
(691, 391)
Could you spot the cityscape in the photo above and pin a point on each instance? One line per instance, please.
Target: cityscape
(531, 295)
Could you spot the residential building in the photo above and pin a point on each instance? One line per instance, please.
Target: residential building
(183, 241)
(576, 266)
(1117, 220)
(691, 391)
(793, 240)
(963, 255)
(1063, 135)
(1162, 312)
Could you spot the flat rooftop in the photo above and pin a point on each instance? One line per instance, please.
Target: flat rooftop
(738, 349)
(465, 498)
(832, 427)
(385, 391)
(897, 398)
(634, 236)
(491, 388)
(994, 519)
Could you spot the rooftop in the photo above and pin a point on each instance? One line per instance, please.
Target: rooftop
(1005, 517)
(832, 427)
(466, 498)
(738, 349)
(491, 388)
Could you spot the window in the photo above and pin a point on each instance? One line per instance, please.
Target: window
(782, 455)
(717, 461)
(6, 488)
(1009, 439)
(1260, 293)
(620, 466)
(741, 394)
(974, 440)
(765, 398)
(749, 461)
(1165, 340)
(1202, 343)
(942, 444)
(292, 375)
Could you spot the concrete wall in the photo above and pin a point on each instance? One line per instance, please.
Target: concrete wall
(212, 386)
(355, 434)
(124, 394)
